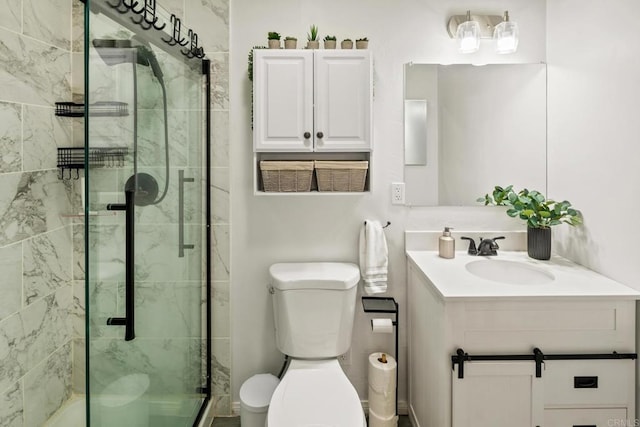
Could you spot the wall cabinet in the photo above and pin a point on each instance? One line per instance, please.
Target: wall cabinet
(568, 393)
(312, 100)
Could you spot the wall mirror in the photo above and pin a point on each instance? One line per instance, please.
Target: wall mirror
(486, 126)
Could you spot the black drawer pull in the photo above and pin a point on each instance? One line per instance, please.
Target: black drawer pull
(585, 382)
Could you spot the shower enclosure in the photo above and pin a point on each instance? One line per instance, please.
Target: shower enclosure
(147, 217)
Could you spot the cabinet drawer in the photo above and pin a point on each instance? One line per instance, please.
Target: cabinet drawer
(589, 382)
(586, 417)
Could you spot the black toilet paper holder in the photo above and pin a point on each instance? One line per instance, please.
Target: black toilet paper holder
(387, 305)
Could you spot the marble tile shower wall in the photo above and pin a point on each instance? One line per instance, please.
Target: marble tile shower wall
(35, 237)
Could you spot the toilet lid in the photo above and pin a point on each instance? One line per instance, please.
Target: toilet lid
(315, 398)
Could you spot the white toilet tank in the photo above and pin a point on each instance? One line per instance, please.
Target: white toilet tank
(314, 306)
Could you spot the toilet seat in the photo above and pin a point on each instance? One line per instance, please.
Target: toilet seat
(315, 393)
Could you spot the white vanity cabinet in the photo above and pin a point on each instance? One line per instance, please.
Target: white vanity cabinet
(312, 100)
(496, 393)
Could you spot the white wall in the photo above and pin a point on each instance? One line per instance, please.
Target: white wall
(268, 229)
(594, 155)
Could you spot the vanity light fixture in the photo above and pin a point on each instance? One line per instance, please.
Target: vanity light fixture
(469, 29)
(506, 35)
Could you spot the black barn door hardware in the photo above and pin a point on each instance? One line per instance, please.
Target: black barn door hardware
(538, 357)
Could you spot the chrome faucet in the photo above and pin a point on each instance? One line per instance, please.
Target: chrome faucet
(486, 247)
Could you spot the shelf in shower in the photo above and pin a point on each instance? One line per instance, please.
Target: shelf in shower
(91, 213)
(73, 158)
(97, 109)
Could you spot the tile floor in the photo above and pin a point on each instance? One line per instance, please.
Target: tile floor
(235, 422)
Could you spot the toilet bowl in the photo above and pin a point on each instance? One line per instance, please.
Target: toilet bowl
(314, 308)
(315, 393)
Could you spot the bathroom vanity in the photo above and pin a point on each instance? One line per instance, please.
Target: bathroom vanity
(518, 342)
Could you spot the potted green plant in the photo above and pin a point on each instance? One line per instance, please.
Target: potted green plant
(312, 38)
(274, 40)
(362, 43)
(250, 74)
(290, 42)
(330, 42)
(346, 44)
(539, 213)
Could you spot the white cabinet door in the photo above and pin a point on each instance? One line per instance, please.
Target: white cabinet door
(283, 100)
(497, 394)
(343, 96)
(587, 417)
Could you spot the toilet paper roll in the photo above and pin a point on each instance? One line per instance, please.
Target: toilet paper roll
(382, 326)
(383, 404)
(376, 420)
(382, 389)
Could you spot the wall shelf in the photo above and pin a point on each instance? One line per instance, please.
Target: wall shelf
(342, 156)
(73, 158)
(97, 109)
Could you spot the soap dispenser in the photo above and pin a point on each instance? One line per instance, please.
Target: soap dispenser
(447, 244)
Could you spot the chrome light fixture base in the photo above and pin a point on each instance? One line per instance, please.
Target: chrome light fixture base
(469, 29)
(487, 24)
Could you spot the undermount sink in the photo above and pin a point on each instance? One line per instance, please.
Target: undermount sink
(509, 272)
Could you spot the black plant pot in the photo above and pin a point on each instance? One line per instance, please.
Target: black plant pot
(539, 243)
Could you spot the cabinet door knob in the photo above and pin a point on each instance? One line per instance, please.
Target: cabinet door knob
(320, 135)
(307, 135)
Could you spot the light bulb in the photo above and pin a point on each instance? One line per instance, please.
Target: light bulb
(506, 36)
(468, 35)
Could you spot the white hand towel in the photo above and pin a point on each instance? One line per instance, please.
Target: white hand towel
(373, 257)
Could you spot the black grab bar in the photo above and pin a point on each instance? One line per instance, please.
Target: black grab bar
(129, 317)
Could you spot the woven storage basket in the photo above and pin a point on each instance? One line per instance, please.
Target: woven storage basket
(286, 176)
(341, 175)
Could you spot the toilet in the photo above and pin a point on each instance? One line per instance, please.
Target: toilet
(314, 306)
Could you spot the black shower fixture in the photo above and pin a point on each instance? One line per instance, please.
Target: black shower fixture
(145, 188)
(138, 52)
(116, 51)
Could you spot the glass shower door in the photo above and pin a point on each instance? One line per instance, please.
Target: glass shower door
(145, 231)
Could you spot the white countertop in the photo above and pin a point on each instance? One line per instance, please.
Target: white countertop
(451, 280)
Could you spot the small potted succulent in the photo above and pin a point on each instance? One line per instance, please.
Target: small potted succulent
(312, 38)
(362, 43)
(290, 42)
(346, 44)
(274, 40)
(330, 42)
(538, 212)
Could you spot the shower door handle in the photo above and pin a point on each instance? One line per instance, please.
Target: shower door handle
(181, 245)
(129, 315)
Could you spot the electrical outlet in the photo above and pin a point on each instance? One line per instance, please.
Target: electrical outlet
(345, 359)
(397, 193)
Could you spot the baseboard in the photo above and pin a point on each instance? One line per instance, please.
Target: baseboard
(235, 409)
(403, 407)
